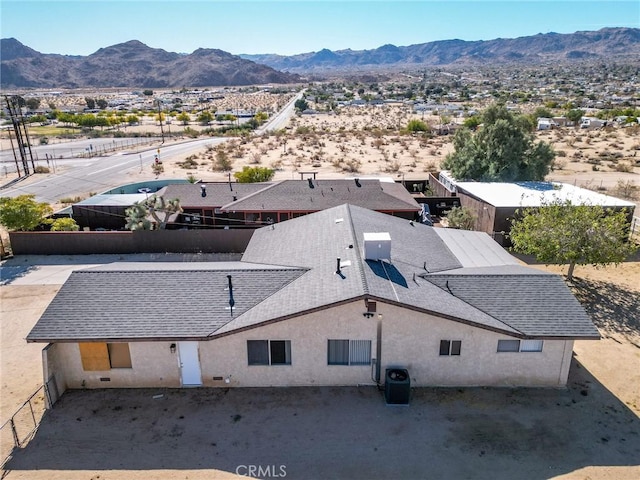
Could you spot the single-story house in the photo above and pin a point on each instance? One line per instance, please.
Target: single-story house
(494, 204)
(546, 123)
(331, 298)
(201, 202)
(252, 205)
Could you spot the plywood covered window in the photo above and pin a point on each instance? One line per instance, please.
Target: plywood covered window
(100, 356)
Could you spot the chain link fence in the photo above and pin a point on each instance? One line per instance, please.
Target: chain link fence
(23, 424)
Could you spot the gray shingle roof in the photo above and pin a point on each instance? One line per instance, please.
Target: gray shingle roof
(297, 195)
(218, 194)
(500, 294)
(535, 305)
(125, 304)
(290, 268)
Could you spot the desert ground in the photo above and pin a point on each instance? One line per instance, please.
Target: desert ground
(369, 140)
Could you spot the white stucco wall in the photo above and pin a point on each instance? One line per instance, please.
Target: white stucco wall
(153, 365)
(479, 363)
(408, 339)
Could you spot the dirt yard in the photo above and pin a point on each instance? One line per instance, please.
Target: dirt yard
(591, 430)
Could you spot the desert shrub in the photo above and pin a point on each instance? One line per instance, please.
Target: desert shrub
(71, 199)
(626, 189)
(430, 167)
(623, 167)
(64, 225)
(352, 165)
(191, 132)
(41, 169)
(222, 162)
(392, 167)
(558, 164)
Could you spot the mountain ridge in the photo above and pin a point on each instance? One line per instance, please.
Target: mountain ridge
(543, 47)
(130, 64)
(134, 64)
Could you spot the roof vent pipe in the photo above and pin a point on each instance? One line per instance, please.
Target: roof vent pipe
(338, 271)
(358, 182)
(203, 190)
(310, 183)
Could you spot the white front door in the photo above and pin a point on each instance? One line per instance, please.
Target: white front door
(189, 364)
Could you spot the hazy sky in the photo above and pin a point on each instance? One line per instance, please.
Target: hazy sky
(80, 27)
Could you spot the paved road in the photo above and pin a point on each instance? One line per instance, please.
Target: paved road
(80, 176)
(97, 174)
(62, 152)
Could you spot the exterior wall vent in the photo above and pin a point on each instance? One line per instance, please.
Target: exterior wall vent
(377, 246)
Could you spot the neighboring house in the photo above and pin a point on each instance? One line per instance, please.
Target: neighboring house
(494, 204)
(546, 123)
(331, 298)
(105, 211)
(201, 202)
(592, 123)
(287, 199)
(253, 205)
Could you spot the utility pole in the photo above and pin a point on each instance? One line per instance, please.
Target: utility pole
(160, 119)
(22, 135)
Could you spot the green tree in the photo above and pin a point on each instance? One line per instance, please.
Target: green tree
(37, 119)
(102, 103)
(575, 115)
(91, 103)
(301, 105)
(502, 150)
(137, 217)
(254, 174)
(23, 213)
(132, 119)
(148, 93)
(416, 125)
(542, 112)
(157, 207)
(161, 209)
(261, 117)
(205, 118)
(33, 103)
(561, 233)
(461, 218)
(64, 225)
(472, 122)
(184, 117)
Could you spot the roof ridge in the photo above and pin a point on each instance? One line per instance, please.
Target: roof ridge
(388, 194)
(363, 278)
(264, 299)
(280, 268)
(448, 290)
(272, 185)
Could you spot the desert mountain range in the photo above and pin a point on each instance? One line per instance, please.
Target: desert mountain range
(606, 43)
(134, 64)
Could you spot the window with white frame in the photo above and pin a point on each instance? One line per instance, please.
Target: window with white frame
(349, 352)
(520, 345)
(269, 352)
(531, 345)
(450, 347)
